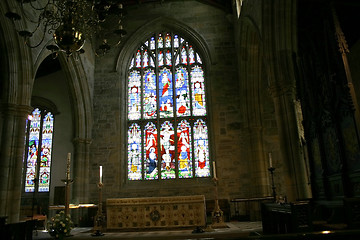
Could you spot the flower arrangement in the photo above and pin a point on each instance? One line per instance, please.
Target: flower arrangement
(60, 225)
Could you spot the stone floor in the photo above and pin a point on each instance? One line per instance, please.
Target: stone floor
(235, 230)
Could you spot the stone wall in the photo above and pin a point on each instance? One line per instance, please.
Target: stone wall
(229, 135)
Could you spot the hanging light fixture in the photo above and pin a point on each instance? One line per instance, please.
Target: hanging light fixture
(71, 23)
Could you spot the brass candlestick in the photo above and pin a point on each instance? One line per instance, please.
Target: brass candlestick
(217, 215)
(99, 218)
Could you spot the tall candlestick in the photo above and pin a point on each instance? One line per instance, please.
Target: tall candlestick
(100, 174)
(214, 169)
(270, 160)
(68, 166)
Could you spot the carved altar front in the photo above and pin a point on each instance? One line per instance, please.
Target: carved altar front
(155, 212)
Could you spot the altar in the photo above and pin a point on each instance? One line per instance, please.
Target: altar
(155, 212)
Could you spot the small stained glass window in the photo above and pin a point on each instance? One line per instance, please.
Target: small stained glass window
(167, 116)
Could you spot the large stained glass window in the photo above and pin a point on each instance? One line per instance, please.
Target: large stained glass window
(167, 116)
(39, 137)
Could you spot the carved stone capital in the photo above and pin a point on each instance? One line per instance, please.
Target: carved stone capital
(15, 110)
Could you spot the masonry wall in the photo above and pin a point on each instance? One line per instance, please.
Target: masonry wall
(228, 126)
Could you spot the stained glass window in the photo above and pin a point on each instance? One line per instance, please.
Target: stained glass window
(40, 127)
(167, 116)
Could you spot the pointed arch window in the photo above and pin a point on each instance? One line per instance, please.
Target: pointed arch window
(167, 111)
(37, 158)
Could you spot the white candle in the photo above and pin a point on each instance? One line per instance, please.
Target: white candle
(214, 169)
(68, 166)
(100, 174)
(270, 160)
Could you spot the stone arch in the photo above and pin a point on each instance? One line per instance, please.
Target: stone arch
(158, 24)
(15, 106)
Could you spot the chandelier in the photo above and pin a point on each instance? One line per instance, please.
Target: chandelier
(71, 23)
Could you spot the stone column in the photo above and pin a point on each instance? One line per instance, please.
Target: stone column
(294, 171)
(11, 159)
(81, 170)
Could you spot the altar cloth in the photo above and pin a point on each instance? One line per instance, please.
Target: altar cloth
(155, 212)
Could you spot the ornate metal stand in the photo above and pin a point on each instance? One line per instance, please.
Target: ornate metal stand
(217, 215)
(99, 218)
(271, 170)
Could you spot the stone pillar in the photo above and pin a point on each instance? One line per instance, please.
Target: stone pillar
(11, 159)
(283, 91)
(81, 170)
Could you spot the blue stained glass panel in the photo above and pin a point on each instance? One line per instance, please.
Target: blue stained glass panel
(182, 92)
(176, 41)
(167, 150)
(201, 149)
(151, 151)
(46, 149)
(198, 91)
(150, 94)
(166, 93)
(31, 162)
(134, 107)
(184, 149)
(152, 43)
(134, 152)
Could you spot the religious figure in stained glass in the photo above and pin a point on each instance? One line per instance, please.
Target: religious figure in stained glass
(160, 41)
(166, 93)
(168, 40)
(151, 151)
(201, 149)
(150, 95)
(167, 150)
(176, 41)
(168, 136)
(168, 58)
(191, 55)
(198, 91)
(145, 59)
(138, 59)
(184, 149)
(134, 106)
(134, 152)
(182, 92)
(183, 56)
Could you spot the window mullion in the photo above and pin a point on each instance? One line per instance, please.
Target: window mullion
(38, 159)
(158, 123)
